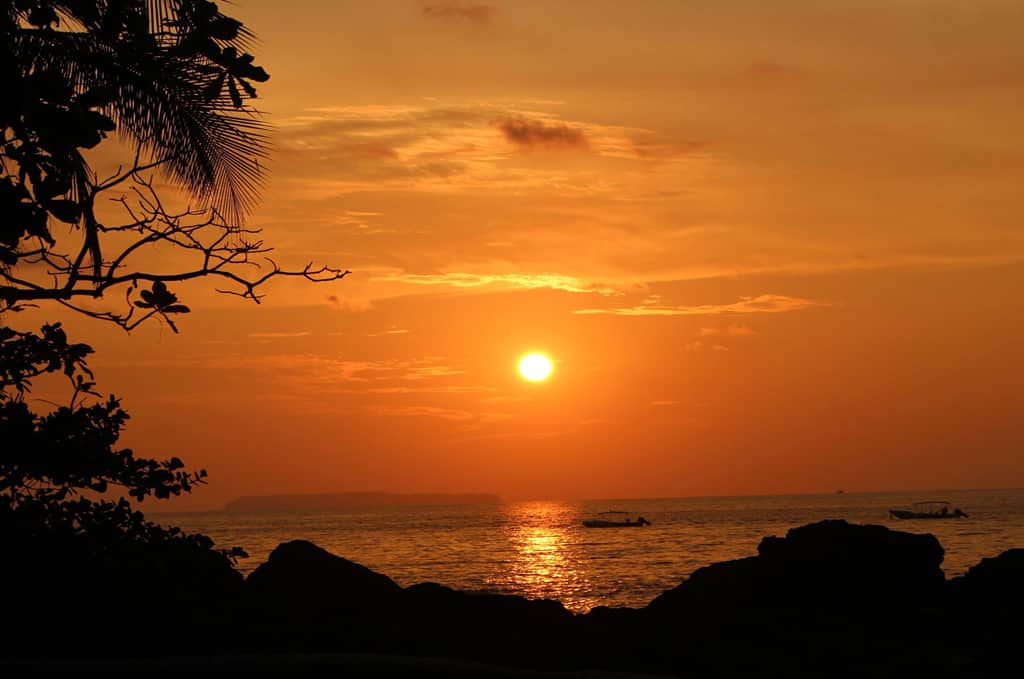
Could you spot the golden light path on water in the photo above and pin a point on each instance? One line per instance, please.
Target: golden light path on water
(547, 561)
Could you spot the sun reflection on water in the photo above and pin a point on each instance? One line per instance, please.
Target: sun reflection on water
(545, 558)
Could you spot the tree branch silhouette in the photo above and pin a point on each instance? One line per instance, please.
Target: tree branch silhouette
(172, 78)
(215, 248)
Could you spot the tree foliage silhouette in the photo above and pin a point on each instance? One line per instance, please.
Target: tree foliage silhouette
(174, 80)
(51, 459)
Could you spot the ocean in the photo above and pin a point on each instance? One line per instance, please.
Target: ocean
(540, 549)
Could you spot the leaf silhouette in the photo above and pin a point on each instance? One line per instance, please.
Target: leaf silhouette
(176, 309)
(65, 210)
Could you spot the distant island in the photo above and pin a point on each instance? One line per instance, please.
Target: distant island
(325, 501)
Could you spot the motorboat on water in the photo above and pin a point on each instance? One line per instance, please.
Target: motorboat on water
(930, 509)
(616, 519)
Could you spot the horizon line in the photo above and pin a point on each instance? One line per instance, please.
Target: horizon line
(513, 500)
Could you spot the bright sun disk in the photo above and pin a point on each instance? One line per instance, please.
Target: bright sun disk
(535, 367)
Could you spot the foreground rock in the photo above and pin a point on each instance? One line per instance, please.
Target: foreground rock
(830, 564)
(827, 595)
(299, 575)
(307, 599)
(827, 599)
(511, 630)
(996, 582)
(67, 595)
(986, 604)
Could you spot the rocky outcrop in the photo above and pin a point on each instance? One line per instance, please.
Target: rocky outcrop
(444, 603)
(439, 605)
(509, 629)
(307, 599)
(826, 565)
(300, 575)
(995, 582)
(827, 595)
(984, 606)
(827, 599)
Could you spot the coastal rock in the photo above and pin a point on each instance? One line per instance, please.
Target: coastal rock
(509, 629)
(997, 581)
(985, 605)
(445, 605)
(301, 575)
(865, 564)
(826, 565)
(609, 616)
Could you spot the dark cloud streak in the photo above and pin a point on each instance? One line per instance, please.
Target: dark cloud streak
(535, 133)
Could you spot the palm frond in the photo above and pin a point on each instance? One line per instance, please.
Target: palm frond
(161, 101)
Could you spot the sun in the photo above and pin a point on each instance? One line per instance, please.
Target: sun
(535, 367)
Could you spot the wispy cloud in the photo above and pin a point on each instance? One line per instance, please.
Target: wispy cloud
(278, 335)
(732, 330)
(390, 331)
(452, 389)
(537, 133)
(529, 281)
(438, 147)
(423, 411)
(761, 304)
(766, 71)
(455, 10)
(311, 370)
(421, 372)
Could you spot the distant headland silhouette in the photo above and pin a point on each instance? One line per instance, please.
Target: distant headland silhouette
(328, 501)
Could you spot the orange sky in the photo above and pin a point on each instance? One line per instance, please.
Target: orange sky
(771, 247)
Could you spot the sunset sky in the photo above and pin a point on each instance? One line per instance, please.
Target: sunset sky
(769, 248)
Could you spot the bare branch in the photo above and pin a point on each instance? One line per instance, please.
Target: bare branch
(218, 248)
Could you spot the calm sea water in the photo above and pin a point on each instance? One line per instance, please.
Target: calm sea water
(542, 550)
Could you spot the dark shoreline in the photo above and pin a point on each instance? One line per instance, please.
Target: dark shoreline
(828, 599)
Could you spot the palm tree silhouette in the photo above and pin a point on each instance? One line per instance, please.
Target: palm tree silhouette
(172, 74)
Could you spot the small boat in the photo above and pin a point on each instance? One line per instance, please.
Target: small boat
(616, 519)
(931, 509)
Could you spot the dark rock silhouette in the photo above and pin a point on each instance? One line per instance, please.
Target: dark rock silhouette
(985, 605)
(827, 599)
(77, 598)
(472, 608)
(300, 575)
(306, 599)
(996, 581)
(509, 629)
(829, 593)
(825, 564)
